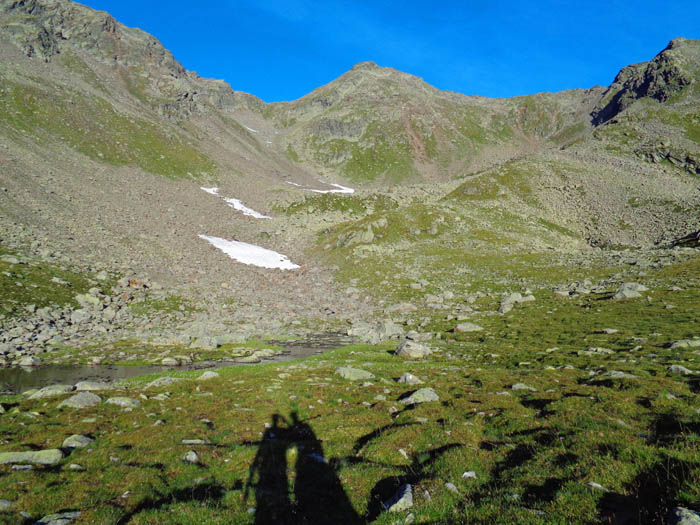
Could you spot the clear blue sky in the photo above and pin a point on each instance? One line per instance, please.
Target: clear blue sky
(283, 49)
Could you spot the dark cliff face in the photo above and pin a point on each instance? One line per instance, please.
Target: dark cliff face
(666, 76)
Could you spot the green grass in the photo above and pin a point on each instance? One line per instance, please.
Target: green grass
(30, 282)
(329, 202)
(511, 179)
(533, 452)
(93, 127)
(170, 304)
(383, 152)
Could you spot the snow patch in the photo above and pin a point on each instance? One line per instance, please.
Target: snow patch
(212, 191)
(340, 189)
(236, 204)
(250, 254)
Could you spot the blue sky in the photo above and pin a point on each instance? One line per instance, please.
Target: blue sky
(283, 49)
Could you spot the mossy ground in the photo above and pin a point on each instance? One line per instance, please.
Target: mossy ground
(533, 451)
(93, 127)
(34, 282)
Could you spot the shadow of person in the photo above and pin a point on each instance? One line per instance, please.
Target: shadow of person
(268, 476)
(318, 492)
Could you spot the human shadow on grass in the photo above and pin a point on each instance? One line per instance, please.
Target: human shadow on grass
(651, 495)
(318, 495)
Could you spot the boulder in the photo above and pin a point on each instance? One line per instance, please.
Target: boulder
(467, 327)
(630, 291)
(353, 374)
(424, 395)
(163, 381)
(402, 500)
(413, 350)
(681, 370)
(52, 391)
(38, 457)
(124, 402)
(29, 360)
(77, 441)
(409, 379)
(81, 400)
(64, 518)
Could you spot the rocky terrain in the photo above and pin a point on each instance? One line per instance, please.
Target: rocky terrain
(517, 281)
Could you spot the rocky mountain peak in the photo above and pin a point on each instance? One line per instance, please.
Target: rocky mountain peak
(662, 78)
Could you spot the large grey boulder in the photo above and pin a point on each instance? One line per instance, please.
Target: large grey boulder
(353, 374)
(124, 402)
(686, 343)
(467, 327)
(205, 343)
(81, 400)
(512, 299)
(37, 457)
(424, 395)
(413, 350)
(93, 385)
(52, 391)
(29, 360)
(630, 291)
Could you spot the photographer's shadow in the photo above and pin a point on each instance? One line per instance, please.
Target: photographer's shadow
(318, 495)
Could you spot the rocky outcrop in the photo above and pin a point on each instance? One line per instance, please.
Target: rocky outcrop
(665, 76)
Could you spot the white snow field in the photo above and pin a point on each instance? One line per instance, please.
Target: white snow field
(250, 254)
(236, 204)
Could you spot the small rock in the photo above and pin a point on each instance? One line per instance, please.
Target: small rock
(191, 457)
(470, 474)
(409, 379)
(208, 375)
(124, 402)
(596, 486)
(63, 518)
(77, 441)
(5, 504)
(424, 395)
(170, 361)
(195, 442)
(678, 369)
(402, 500)
(451, 487)
(163, 381)
(683, 516)
(523, 386)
